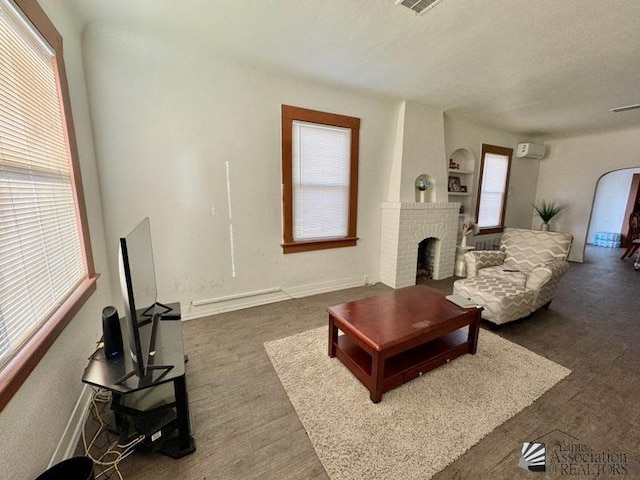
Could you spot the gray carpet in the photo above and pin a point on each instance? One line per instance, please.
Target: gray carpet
(418, 428)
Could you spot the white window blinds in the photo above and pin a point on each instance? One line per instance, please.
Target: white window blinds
(320, 180)
(41, 258)
(494, 183)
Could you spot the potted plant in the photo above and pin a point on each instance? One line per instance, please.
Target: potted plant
(547, 210)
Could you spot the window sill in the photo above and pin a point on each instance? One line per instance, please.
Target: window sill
(489, 230)
(319, 244)
(23, 363)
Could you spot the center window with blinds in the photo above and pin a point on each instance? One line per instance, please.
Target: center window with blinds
(319, 166)
(42, 258)
(492, 194)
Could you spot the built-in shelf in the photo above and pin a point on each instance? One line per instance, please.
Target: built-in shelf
(464, 175)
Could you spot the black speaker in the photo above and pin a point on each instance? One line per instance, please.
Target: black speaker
(112, 335)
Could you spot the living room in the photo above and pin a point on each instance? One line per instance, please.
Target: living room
(178, 119)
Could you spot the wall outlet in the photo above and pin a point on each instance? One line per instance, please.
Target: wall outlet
(366, 279)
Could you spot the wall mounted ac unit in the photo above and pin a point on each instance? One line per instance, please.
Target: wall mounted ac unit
(530, 150)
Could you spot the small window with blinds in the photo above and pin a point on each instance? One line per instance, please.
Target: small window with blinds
(320, 176)
(44, 263)
(492, 194)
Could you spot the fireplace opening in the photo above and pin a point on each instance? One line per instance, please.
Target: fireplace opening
(426, 259)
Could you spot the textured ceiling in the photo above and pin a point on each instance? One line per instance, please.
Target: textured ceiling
(537, 68)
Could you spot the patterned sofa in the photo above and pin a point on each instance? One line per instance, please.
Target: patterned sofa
(518, 279)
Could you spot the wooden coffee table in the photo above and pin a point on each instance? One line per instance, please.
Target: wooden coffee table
(392, 338)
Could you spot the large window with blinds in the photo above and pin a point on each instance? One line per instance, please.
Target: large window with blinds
(45, 267)
(492, 192)
(320, 176)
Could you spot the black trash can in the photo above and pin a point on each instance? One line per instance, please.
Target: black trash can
(76, 468)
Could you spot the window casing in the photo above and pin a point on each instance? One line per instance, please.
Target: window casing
(495, 167)
(46, 265)
(319, 179)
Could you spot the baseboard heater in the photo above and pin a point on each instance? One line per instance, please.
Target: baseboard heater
(237, 296)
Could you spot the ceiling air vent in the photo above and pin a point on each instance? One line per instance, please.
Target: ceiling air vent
(624, 109)
(419, 6)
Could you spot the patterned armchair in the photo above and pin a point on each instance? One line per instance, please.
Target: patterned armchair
(519, 278)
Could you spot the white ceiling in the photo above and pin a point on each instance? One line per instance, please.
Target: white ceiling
(536, 68)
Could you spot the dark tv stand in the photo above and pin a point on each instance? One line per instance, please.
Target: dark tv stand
(170, 359)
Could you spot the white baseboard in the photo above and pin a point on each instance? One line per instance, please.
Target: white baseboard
(231, 305)
(325, 287)
(275, 295)
(72, 433)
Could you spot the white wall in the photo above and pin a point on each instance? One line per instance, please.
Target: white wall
(523, 175)
(34, 421)
(392, 193)
(572, 169)
(169, 119)
(610, 202)
(420, 141)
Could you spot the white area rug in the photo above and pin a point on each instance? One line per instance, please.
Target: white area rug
(418, 428)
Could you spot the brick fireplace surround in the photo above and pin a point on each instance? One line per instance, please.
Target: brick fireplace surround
(404, 226)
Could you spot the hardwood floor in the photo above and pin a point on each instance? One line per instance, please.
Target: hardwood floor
(245, 427)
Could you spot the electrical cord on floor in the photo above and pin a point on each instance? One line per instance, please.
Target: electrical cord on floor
(115, 449)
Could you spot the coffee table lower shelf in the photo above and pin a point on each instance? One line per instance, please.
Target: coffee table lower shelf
(405, 366)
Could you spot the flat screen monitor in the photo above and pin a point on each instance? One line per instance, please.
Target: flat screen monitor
(139, 292)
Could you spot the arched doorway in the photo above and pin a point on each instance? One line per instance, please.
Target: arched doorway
(608, 223)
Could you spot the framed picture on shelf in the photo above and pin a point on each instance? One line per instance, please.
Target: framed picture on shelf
(454, 184)
(463, 188)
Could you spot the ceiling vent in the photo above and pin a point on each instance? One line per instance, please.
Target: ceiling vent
(419, 6)
(624, 109)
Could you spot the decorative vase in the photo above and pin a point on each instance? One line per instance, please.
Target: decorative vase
(421, 196)
(544, 227)
(463, 242)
